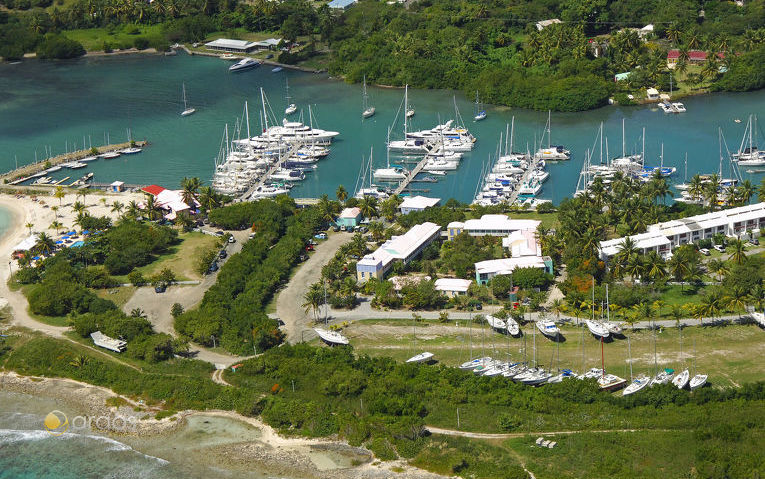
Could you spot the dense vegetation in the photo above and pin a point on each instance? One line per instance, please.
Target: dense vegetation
(491, 47)
(232, 311)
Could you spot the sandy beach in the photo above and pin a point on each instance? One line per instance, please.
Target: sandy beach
(217, 439)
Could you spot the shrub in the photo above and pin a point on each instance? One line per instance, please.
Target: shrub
(141, 43)
(60, 47)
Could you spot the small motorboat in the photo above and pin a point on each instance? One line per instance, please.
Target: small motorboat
(480, 116)
(611, 382)
(276, 69)
(291, 108)
(697, 381)
(681, 380)
(636, 385)
(421, 358)
(131, 151)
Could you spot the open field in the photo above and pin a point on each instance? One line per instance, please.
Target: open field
(118, 296)
(728, 354)
(180, 258)
(123, 37)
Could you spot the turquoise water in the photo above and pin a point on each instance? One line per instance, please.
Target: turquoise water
(56, 104)
(5, 220)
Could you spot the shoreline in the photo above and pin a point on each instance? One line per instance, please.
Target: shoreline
(275, 454)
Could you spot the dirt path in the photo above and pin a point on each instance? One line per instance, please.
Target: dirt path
(290, 299)
(157, 306)
(217, 377)
(510, 435)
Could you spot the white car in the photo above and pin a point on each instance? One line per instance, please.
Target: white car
(704, 251)
(719, 248)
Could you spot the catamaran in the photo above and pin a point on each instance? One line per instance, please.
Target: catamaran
(367, 110)
(186, 110)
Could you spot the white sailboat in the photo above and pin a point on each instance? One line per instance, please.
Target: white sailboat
(637, 384)
(424, 356)
(496, 323)
(698, 380)
(513, 328)
(186, 110)
(291, 107)
(480, 114)
(552, 152)
(368, 110)
(597, 328)
(681, 380)
(332, 338)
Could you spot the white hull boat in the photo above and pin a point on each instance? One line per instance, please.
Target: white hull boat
(496, 323)
(244, 64)
(681, 380)
(131, 151)
(368, 112)
(612, 327)
(390, 174)
(697, 381)
(513, 328)
(331, 337)
(110, 155)
(597, 329)
(421, 358)
(639, 383)
(548, 328)
(291, 108)
(611, 382)
(663, 377)
(474, 363)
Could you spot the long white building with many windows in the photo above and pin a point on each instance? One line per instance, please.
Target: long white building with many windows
(490, 225)
(399, 248)
(662, 237)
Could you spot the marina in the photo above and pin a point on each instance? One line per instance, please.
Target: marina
(147, 101)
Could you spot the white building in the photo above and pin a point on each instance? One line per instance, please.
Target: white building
(485, 270)
(228, 45)
(490, 225)
(522, 243)
(662, 237)
(452, 287)
(399, 248)
(417, 203)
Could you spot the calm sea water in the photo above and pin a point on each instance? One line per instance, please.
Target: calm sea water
(56, 104)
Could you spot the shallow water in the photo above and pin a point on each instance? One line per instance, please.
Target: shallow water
(57, 104)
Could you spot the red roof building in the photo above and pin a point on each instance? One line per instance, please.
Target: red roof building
(153, 190)
(694, 56)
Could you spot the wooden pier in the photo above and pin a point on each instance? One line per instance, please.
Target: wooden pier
(412, 174)
(33, 168)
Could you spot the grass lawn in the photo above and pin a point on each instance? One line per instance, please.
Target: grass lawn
(180, 258)
(728, 354)
(118, 296)
(123, 37)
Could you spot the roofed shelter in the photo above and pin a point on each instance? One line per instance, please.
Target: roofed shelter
(234, 46)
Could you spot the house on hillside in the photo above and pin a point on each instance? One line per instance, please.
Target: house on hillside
(349, 218)
(170, 201)
(695, 57)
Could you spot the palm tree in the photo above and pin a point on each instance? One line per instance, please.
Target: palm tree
(190, 187)
(737, 299)
(84, 193)
(711, 304)
(208, 198)
(60, 194)
(718, 267)
(761, 191)
(377, 230)
(368, 207)
(45, 244)
(30, 226)
(635, 268)
(557, 307)
(117, 207)
(151, 207)
(696, 187)
(673, 33)
(56, 225)
(655, 267)
(79, 361)
(712, 191)
(326, 208)
(314, 298)
(133, 210)
(78, 207)
(341, 194)
(54, 209)
(137, 313)
(746, 191)
(737, 256)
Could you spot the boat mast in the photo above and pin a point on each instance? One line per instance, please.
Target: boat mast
(549, 128)
(406, 107)
(629, 352)
(623, 140)
(247, 115)
(512, 133)
(608, 306)
(507, 133)
(642, 155)
(265, 115)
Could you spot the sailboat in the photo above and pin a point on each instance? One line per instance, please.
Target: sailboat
(681, 380)
(291, 107)
(608, 382)
(552, 152)
(422, 357)
(698, 380)
(186, 110)
(513, 328)
(480, 114)
(368, 110)
(410, 111)
(748, 152)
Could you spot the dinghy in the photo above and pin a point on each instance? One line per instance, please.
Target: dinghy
(697, 381)
(421, 358)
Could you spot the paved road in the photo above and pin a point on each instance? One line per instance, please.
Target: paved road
(289, 301)
(157, 306)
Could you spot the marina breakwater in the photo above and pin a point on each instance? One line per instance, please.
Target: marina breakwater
(24, 172)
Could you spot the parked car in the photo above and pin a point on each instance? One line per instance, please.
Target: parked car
(719, 248)
(222, 254)
(755, 241)
(309, 247)
(335, 228)
(231, 239)
(213, 267)
(219, 233)
(704, 251)
(269, 56)
(321, 236)
(161, 288)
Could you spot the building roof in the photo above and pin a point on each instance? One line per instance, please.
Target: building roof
(694, 55)
(500, 223)
(27, 243)
(453, 284)
(350, 213)
(418, 202)
(709, 220)
(507, 265)
(401, 247)
(341, 3)
(231, 44)
(652, 92)
(153, 190)
(269, 42)
(642, 241)
(522, 243)
(117, 183)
